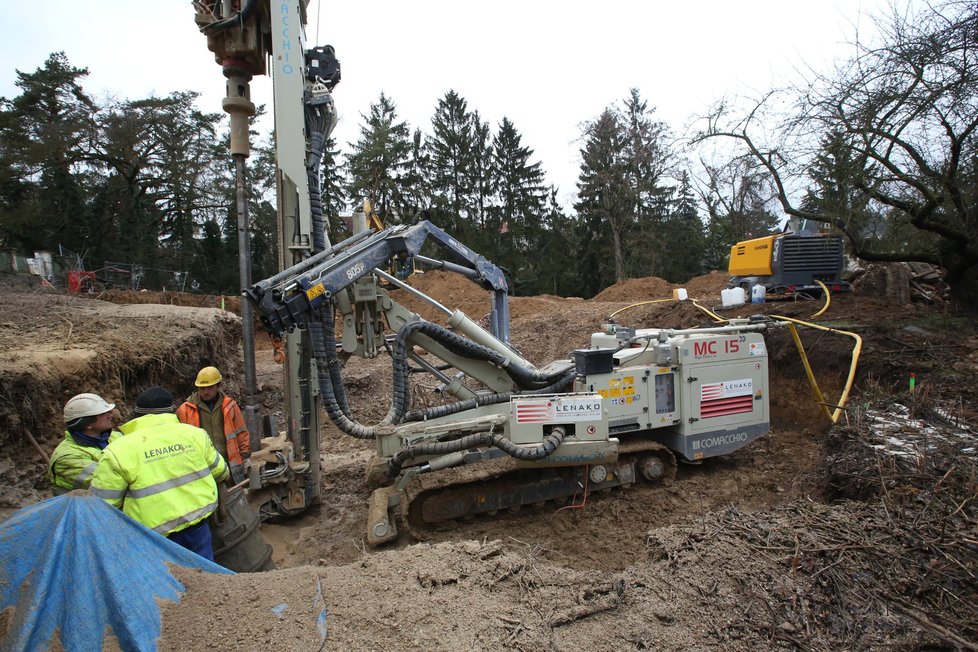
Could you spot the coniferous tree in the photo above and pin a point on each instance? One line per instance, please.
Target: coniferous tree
(482, 175)
(647, 158)
(212, 260)
(417, 184)
(263, 209)
(522, 196)
(683, 231)
(835, 173)
(44, 133)
(451, 157)
(333, 191)
(379, 161)
(557, 244)
(605, 198)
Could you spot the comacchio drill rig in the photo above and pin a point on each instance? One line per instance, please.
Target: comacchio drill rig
(620, 410)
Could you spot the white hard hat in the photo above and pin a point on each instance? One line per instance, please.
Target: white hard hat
(86, 405)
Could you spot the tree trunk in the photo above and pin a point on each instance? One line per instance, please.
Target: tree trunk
(619, 254)
(963, 285)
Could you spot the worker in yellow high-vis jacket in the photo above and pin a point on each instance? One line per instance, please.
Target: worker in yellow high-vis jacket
(163, 473)
(88, 430)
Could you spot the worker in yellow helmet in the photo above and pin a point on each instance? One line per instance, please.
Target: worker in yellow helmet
(88, 430)
(211, 409)
(163, 473)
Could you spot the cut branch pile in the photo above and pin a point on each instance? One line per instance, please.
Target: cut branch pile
(894, 562)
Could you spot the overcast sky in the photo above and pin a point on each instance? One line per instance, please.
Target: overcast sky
(548, 67)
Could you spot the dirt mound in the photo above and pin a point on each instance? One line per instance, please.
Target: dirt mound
(450, 290)
(705, 288)
(58, 345)
(636, 289)
(230, 303)
(708, 287)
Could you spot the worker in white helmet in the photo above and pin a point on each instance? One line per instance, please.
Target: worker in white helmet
(88, 430)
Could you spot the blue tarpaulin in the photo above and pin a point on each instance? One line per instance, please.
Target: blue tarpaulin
(75, 568)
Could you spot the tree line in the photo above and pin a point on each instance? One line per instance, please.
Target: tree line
(149, 182)
(882, 150)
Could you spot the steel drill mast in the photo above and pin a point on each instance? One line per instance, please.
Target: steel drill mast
(258, 37)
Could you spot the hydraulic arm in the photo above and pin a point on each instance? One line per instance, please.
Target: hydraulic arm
(286, 299)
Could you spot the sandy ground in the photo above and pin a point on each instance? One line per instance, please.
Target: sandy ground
(685, 566)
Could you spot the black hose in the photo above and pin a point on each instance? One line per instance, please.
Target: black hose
(545, 448)
(330, 379)
(320, 119)
(316, 128)
(331, 383)
(485, 399)
(524, 377)
(313, 161)
(323, 330)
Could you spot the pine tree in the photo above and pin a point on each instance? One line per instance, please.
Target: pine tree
(557, 243)
(379, 161)
(482, 173)
(43, 137)
(332, 191)
(450, 151)
(605, 197)
(263, 209)
(521, 202)
(683, 233)
(417, 185)
(835, 174)
(647, 158)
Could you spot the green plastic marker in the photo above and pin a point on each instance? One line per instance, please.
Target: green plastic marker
(913, 381)
(222, 308)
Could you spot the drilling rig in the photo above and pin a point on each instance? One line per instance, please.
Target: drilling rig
(621, 409)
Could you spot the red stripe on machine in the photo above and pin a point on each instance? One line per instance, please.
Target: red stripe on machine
(724, 406)
(534, 412)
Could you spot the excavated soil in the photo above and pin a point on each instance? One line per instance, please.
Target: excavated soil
(732, 554)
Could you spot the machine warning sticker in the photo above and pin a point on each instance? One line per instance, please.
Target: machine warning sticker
(315, 291)
(756, 348)
(561, 410)
(726, 389)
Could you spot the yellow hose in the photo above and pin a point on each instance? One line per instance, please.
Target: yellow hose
(820, 397)
(708, 311)
(828, 300)
(641, 303)
(840, 407)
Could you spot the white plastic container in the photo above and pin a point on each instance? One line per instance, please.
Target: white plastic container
(758, 293)
(679, 294)
(733, 297)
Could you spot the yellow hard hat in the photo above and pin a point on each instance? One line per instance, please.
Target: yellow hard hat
(208, 376)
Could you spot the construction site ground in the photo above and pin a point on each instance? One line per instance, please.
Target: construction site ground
(812, 537)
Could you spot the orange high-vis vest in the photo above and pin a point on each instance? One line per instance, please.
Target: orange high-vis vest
(235, 432)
